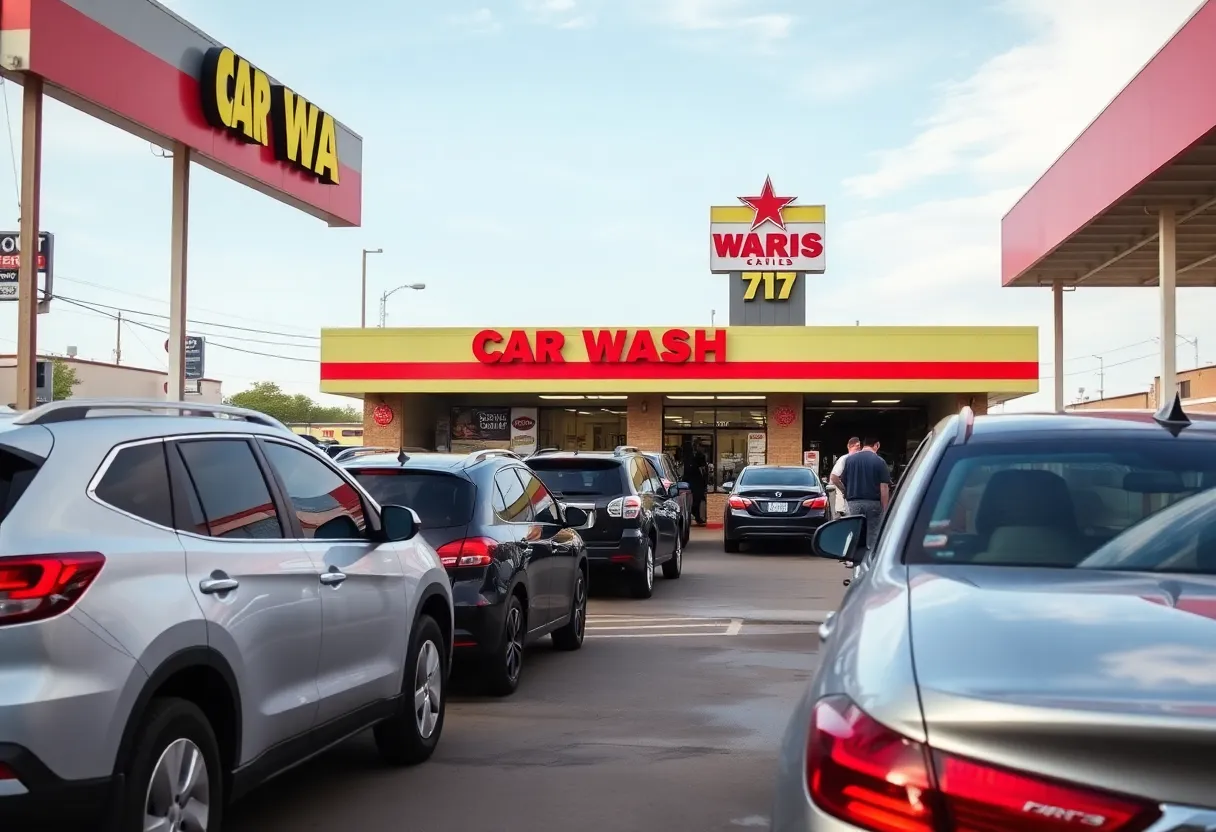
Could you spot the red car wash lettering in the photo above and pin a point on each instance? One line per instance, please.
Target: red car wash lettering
(604, 346)
(240, 99)
(768, 249)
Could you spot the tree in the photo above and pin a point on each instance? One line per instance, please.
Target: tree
(267, 397)
(64, 381)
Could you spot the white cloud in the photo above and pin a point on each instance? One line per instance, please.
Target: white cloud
(1020, 109)
(561, 14)
(479, 21)
(740, 17)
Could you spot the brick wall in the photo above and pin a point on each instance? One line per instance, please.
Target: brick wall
(784, 442)
(644, 422)
(389, 435)
(413, 422)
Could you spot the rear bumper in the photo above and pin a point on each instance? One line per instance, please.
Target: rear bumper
(40, 800)
(629, 552)
(743, 527)
(478, 615)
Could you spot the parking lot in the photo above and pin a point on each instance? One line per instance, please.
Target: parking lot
(669, 717)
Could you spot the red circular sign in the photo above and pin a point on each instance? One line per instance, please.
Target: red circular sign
(382, 415)
(785, 416)
(524, 423)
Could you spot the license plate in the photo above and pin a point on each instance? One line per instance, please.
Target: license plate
(778, 508)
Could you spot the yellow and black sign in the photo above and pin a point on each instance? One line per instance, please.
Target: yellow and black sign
(240, 99)
(777, 285)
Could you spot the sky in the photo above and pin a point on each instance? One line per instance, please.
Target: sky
(550, 162)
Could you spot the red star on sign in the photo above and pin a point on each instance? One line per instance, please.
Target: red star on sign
(767, 206)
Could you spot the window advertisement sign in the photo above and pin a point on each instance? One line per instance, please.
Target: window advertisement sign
(480, 428)
(525, 429)
(757, 448)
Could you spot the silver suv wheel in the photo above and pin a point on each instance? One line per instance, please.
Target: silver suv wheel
(179, 791)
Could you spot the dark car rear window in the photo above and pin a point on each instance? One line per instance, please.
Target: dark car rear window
(440, 500)
(778, 476)
(580, 477)
(1052, 502)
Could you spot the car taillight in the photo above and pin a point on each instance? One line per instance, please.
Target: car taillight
(468, 551)
(626, 507)
(872, 777)
(816, 502)
(7, 773)
(35, 587)
(735, 501)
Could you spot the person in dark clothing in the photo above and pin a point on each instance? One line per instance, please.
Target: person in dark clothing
(867, 487)
(696, 472)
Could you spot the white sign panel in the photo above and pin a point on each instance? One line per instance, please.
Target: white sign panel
(524, 430)
(767, 233)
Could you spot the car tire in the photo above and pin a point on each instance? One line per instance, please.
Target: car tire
(731, 546)
(675, 565)
(411, 736)
(504, 667)
(570, 637)
(173, 734)
(641, 584)
(686, 534)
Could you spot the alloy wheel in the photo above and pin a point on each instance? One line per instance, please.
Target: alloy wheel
(428, 689)
(649, 566)
(515, 642)
(580, 605)
(678, 555)
(179, 792)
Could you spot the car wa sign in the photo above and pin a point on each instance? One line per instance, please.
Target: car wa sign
(767, 233)
(10, 263)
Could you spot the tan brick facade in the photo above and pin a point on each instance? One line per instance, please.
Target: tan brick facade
(644, 422)
(388, 436)
(413, 424)
(784, 441)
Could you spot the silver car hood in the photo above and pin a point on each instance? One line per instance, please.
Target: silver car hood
(1096, 677)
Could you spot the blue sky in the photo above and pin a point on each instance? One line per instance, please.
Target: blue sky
(551, 162)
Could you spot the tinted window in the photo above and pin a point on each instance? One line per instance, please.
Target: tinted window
(517, 509)
(1181, 538)
(653, 476)
(1052, 503)
(544, 507)
(663, 464)
(137, 482)
(16, 474)
(580, 477)
(440, 500)
(232, 493)
(327, 506)
(639, 473)
(778, 476)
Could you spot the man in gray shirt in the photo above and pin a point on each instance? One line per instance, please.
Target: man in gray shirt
(867, 487)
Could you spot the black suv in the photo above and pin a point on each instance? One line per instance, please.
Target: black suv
(518, 568)
(634, 520)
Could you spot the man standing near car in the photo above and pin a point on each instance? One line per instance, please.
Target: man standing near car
(696, 473)
(867, 487)
(851, 447)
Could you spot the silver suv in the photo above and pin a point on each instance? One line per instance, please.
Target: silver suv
(191, 601)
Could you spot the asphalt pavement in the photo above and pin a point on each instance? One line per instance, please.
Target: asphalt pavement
(668, 718)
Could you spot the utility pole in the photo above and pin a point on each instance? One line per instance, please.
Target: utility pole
(417, 287)
(1101, 377)
(118, 340)
(1194, 342)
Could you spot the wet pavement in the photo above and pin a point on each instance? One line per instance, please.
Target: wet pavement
(668, 718)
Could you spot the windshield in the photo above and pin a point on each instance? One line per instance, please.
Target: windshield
(580, 477)
(754, 477)
(1052, 503)
(440, 500)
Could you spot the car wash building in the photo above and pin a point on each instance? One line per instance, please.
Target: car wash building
(766, 388)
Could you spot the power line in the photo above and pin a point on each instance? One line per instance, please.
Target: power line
(1108, 366)
(259, 330)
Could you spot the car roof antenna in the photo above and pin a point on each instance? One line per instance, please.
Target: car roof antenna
(1172, 417)
(403, 457)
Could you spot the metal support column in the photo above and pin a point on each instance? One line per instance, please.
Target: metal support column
(1057, 374)
(27, 276)
(1168, 280)
(177, 272)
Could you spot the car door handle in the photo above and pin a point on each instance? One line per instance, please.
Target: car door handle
(333, 577)
(217, 583)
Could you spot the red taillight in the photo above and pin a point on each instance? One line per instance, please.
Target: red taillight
(868, 775)
(7, 773)
(35, 587)
(735, 501)
(982, 797)
(468, 551)
(816, 502)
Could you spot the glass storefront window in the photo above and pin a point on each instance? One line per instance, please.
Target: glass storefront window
(722, 435)
(581, 429)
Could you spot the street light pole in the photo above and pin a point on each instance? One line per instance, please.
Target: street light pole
(418, 287)
(363, 305)
(1194, 342)
(1101, 377)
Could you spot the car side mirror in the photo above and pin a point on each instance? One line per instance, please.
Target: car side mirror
(728, 485)
(840, 539)
(399, 523)
(576, 517)
(673, 491)
(683, 486)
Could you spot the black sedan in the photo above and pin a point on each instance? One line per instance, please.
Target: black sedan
(775, 501)
(518, 567)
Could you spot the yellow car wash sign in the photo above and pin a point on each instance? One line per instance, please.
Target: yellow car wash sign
(240, 99)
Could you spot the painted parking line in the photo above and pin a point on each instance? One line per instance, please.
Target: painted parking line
(622, 626)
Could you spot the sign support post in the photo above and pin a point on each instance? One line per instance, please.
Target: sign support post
(27, 279)
(177, 272)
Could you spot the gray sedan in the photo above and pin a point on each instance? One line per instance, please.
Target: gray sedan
(1031, 645)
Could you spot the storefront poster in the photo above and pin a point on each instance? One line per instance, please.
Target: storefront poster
(525, 429)
(757, 443)
(811, 459)
(480, 428)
